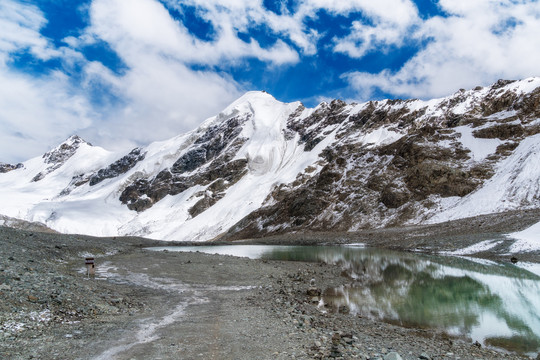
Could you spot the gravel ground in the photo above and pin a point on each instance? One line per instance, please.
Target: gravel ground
(169, 305)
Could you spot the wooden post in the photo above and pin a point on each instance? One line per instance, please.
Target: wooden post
(90, 267)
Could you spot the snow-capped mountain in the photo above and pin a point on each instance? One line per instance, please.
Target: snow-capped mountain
(265, 167)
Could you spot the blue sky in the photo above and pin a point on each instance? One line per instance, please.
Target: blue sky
(123, 73)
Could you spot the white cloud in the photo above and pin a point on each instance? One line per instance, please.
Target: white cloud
(480, 42)
(37, 114)
(161, 98)
(365, 38)
(19, 29)
(230, 17)
(159, 94)
(394, 11)
(389, 23)
(146, 25)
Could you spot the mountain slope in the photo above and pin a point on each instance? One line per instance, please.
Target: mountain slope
(266, 167)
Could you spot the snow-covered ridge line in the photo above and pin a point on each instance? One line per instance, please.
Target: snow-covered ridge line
(265, 167)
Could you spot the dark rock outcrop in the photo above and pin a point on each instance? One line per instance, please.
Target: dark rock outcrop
(58, 156)
(118, 167)
(212, 156)
(4, 168)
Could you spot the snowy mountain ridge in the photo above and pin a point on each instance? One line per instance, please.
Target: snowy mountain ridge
(265, 167)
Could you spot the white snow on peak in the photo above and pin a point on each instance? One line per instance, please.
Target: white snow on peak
(524, 86)
(20, 193)
(248, 103)
(266, 149)
(268, 153)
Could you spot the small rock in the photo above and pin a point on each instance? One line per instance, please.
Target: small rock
(5, 287)
(313, 291)
(392, 356)
(32, 298)
(476, 343)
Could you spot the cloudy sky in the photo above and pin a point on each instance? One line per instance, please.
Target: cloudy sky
(123, 73)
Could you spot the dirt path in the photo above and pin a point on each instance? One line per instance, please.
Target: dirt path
(196, 309)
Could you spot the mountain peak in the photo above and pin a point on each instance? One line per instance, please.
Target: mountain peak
(60, 154)
(65, 150)
(75, 139)
(250, 102)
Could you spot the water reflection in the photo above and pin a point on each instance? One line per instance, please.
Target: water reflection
(495, 304)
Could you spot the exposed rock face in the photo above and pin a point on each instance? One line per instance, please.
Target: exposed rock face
(4, 168)
(119, 167)
(212, 155)
(58, 156)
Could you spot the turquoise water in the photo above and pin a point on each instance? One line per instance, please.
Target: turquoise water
(492, 303)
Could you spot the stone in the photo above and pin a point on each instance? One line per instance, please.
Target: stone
(313, 291)
(392, 356)
(119, 167)
(32, 298)
(424, 356)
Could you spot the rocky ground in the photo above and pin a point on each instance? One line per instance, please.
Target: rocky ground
(168, 305)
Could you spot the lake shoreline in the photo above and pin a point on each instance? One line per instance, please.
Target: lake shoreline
(146, 304)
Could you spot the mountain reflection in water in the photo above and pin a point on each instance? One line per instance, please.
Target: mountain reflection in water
(495, 304)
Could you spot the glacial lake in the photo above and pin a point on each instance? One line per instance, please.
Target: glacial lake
(496, 304)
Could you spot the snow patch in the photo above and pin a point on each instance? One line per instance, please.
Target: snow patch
(527, 240)
(380, 136)
(476, 248)
(480, 148)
